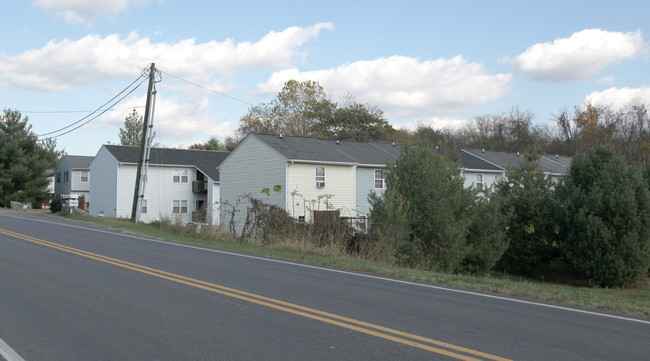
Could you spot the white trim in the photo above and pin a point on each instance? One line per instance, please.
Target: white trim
(8, 353)
(322, 162)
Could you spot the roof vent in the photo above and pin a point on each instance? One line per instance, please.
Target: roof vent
(393, 144)
(280, 135)
(483, 150)
(337, 141)
(557, 156)
(517, 154)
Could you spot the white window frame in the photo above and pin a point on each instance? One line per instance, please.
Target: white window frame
(479, 184)
(84, 176)
(143, 206)
(58, 177)
(179, 206)
(180, 175)
(379, 179)
(319, 176)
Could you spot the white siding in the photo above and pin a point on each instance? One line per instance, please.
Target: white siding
(339, 186)
(489, 178)
(102, 184)
(212, 208)
(160, 192)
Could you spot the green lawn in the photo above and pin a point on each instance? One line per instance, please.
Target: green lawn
(633, 301)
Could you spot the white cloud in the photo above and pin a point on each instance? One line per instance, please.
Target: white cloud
(67, 64)
(177, 119)
(579, 56)
(406, 87)
(435, 123)
(85, 11)
(617, 98)
(609, 80)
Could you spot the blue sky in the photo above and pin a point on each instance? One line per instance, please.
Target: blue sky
(431, 62)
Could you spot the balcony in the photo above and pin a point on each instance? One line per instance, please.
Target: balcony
(200, 186)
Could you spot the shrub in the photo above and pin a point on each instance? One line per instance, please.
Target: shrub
(486, 236)
(606, 220)
(56, 206)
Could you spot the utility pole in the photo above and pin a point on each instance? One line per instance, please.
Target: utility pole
(145, 128)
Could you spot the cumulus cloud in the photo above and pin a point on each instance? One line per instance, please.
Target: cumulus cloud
(66, 64)
(177, 119)
(579, 56)
(617, 98)
(406, 87)
(435, 123)
(84, 11)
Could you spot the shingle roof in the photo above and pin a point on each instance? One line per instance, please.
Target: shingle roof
(505, 160)
(204, 160)
(311, 149)
(78, 161)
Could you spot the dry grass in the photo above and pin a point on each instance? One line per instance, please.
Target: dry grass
(301, 248)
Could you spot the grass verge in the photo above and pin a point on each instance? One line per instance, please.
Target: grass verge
(630, 301)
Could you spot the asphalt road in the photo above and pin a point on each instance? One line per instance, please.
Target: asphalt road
(74, 291)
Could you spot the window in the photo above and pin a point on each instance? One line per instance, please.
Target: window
(58, 177)
(179, 206)
(180, 175)
(479, 182)
(65, 177)
(379, 179)
(320, 176)
(143, 206)
(84, 176)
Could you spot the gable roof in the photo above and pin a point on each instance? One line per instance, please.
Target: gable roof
(317, 150)
(78, 161)
(204, 160)
(506, 160)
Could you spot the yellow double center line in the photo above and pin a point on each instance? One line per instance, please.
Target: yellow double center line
(424, 343)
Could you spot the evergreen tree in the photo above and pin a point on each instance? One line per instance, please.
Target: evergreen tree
(526, 199)
(607, 219)
(436, 205)
(24, 161)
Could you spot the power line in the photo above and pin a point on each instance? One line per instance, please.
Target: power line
(96, 110)
(93, 118)
(67, 111)
(206, 88)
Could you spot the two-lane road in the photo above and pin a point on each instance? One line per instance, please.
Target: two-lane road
(72, 291)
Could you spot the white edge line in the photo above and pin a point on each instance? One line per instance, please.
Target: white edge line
(352, 274)
(8, 353)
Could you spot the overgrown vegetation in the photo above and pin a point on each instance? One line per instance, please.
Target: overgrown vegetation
(634, 301)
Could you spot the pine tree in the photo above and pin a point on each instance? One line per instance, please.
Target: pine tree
(24, 161)
(607, 220)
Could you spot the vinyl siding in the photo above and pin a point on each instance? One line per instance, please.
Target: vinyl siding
(160, 192)
(252, 166)
(62, 187)
(339, 184)
(489, 178)
(365, 185)
(212, 208)
(102, 184)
